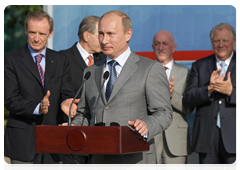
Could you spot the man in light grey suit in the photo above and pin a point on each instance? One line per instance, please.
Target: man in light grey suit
(173, 144)
(140, 96)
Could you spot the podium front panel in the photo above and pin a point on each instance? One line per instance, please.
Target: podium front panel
(88, 140)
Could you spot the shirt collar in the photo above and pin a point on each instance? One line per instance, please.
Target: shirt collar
(34, 53)
(227, 61)
(169, 65)
(83, 52)
(122, 58)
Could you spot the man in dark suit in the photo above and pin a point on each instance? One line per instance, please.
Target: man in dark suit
(173, 145)
(87, 46)
(78, 56)
(212, 90)
(30, 73)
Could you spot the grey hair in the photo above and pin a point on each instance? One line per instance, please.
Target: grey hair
(39, 15)
(88, 24)
(221, 26)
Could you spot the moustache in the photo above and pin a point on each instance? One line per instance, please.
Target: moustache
(161, 51)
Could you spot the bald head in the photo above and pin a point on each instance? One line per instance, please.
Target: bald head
(163, 46)
(164, 33)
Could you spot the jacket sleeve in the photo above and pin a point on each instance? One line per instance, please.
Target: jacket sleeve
(195, 94)
(13, 101)
(177, 97)
(158, 101)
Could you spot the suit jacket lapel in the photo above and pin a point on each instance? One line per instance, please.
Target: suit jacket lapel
(211, 64)
(99, 79)
(174, 70)
(28, 61)
(49, 66)
(77, 57)
(232, 67)
(96, 57)
(127, 71)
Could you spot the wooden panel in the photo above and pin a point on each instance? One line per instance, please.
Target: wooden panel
(87, 140)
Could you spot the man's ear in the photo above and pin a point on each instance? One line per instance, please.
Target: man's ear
(86, 36)
(174, 48)
(128, 35)
(51, 33)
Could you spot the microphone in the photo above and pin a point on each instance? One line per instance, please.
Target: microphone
(114, 124)
(103, 124)
(105, 77)
(86, 77)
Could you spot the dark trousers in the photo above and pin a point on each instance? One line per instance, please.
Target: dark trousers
(42, 161)
(75, 159)
(218, 154)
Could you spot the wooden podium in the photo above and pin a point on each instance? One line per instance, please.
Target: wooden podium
(115, 140)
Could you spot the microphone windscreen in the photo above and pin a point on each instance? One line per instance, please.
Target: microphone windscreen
(106, 75)
(114, 124)
(87, 75)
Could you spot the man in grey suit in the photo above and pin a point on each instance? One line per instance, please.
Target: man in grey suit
(140, 96)
(172, 146)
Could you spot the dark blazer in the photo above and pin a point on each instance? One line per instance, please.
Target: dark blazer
(207, 107)
(77, 64)
(22, 93)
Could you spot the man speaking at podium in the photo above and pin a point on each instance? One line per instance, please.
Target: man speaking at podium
(136, 93)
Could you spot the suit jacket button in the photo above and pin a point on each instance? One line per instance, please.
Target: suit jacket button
(220, 102)
(107, 107)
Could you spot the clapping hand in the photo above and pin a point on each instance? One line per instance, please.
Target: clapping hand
(45, 103)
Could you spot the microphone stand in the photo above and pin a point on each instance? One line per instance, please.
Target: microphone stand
(86, 77)
(105, 77)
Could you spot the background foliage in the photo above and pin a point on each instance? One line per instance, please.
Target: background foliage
(14, 16)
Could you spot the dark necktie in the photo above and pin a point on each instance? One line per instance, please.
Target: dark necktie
(40, 69)
(165, 68)
(112, 78)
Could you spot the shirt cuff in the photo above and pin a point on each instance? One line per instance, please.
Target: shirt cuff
(36, 111)
(145, 137)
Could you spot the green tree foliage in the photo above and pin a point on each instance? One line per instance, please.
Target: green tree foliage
(14, 17)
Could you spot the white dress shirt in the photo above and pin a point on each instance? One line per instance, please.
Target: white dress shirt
(227, 62)
(84, 53)
(169, 69)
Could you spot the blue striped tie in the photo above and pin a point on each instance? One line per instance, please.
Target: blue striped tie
(40, 69)
(112, 78)
(223, 64)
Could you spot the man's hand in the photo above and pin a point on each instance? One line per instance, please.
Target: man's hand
(171, 85)
(214, 76)
(66, 106)
(224, 87)
(45, 103)
(139, 126)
